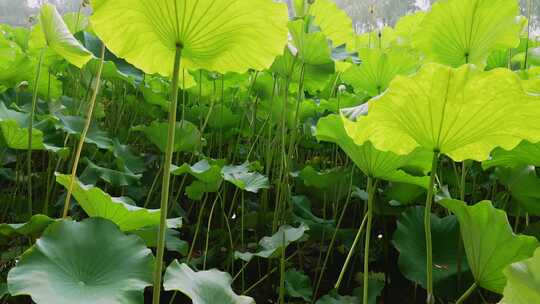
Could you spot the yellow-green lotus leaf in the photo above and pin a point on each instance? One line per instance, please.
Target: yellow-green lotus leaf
(461, 112)
(52, 32)
(455, 32)
(334, 22)
(216, 35)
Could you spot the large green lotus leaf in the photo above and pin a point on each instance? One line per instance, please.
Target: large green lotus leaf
(407, 26)
(334, 22)
(74, 125)
(409, 240)
(524, 186)
(216, 35)
(523, 281)
(271, 246)
(373, 162)
(298, 285)
(76, 22)
(93, 172)
(52, 32)
(83, 262)
(463, 113)
(208, 175)
(242, 177)
(127, 159)
(96, 203)
(187, 136)
(525, 153)
(202, 287)
(489, 242)
(312, 47)
(378, 68)
(32, 228)
(455, 32)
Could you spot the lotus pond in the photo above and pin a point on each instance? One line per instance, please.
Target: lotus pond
(240, 151)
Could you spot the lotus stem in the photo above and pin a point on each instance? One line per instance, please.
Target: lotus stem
(349, 256)
(427, 228)
(89, 114)
(166, 177)
(371, 184)
(30, 128)
(467, 293)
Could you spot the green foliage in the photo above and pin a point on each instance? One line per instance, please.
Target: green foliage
(83, 262)
(523, 282)
(489, 242)
(202, 287)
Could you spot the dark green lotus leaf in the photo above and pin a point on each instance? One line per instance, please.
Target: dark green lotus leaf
(96, 203)
(74, 125)
(523, 281)
(271, 246)
(334, 298)
(409, 240)
(93, 172)
(242, 177)
(456, 32)
(32, 228)
(83, 262)
(172, 236)
(202, 287)
(298, 285)
(376, 283)
(489, 242)
(302, 213)
(127, 159)
(375, 163)
(526, 153)
(524, 187)
(378, 68)
(187, 136)
(207, 173)
(52, 32)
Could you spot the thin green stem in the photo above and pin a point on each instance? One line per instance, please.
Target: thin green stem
(371, 184)
(30, 129)
(349, 256)
(427, 228)
(166, 177)
(467, 293)
(282, 272)
(87, 123)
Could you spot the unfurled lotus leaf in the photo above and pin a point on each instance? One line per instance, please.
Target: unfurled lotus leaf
(334, 22)
(489, 242)
(96, 203)
(373, 162)
(127, 159)
(334, 298)
(523, 281)
(463, 113)
(271, 246)
(312, 47)
(242, 177)
(409, 240)
(525, 153)
(74, 125)
(298, 285)
(116, 178)
(187, 136)
(14, 132)
(406, 28)
(208, 175)
(524, 186)
(378, 68)
(32, 228)
(52, 32)
(216, 35)
(83, 262)
(202, 287)
(455, 32)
